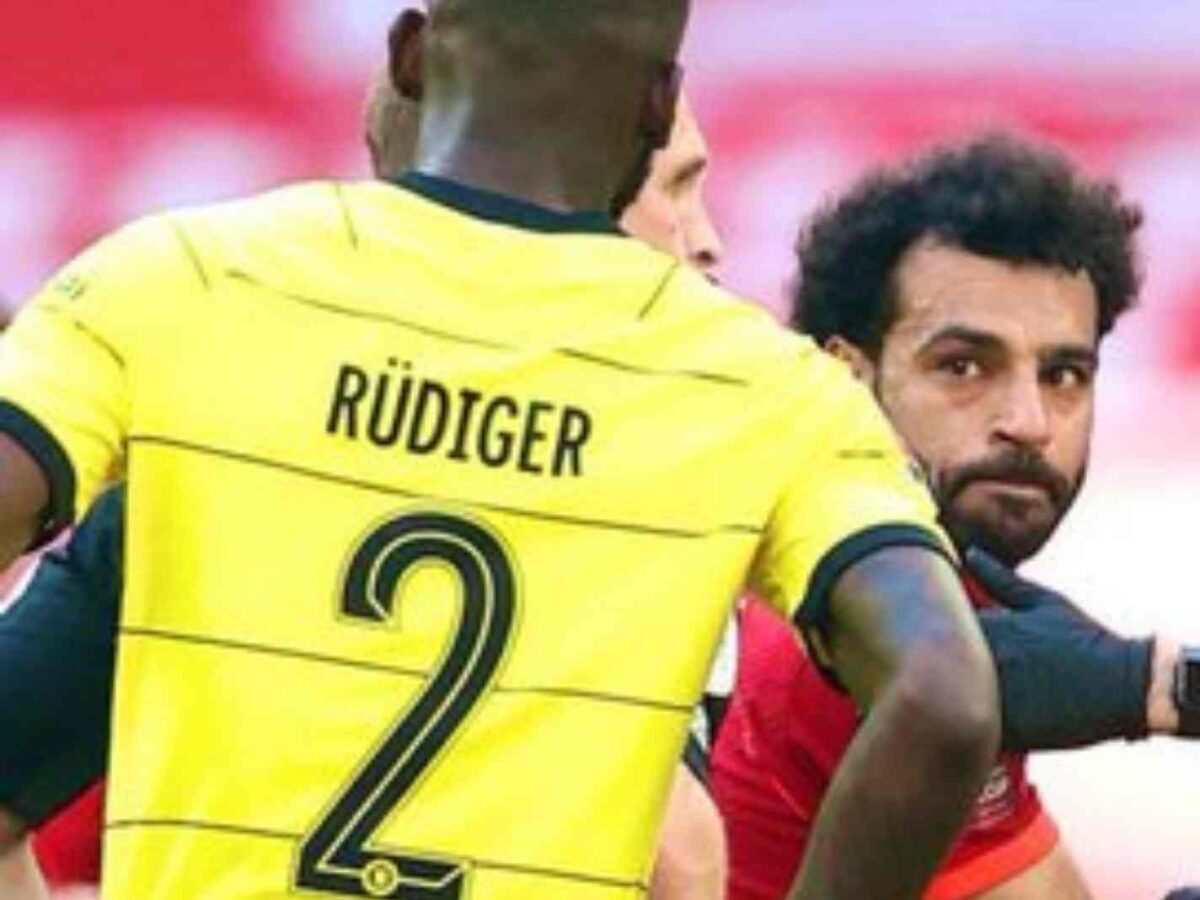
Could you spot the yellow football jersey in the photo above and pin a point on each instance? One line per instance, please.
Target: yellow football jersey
(438, 503)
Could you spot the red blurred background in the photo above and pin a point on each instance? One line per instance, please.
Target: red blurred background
(112, 109)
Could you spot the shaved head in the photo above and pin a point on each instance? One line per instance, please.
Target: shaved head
(651, 28)
(561, 102)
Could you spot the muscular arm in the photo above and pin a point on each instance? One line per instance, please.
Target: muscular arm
(1054, 878)
(691, 848)
(19, 876)
(24, 495)
(903, 640)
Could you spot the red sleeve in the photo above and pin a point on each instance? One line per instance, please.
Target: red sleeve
(68, 846)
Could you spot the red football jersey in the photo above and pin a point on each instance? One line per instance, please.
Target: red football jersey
(68, 846)
(781, 741)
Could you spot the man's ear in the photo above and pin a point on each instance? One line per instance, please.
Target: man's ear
(853, 356)
(662, 102)
(406, 54)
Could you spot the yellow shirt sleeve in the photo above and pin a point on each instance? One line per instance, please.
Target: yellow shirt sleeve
(65, 363)
(852, 491)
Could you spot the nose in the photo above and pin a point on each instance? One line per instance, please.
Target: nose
(705, 250)
(1024, 418)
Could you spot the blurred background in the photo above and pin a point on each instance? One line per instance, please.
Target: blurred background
(112, 109)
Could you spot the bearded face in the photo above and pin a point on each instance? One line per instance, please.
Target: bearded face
(987, 372)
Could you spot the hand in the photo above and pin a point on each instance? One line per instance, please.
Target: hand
(1065, 680)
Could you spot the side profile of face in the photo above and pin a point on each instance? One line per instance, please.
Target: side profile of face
(670, 212)
(988, 374)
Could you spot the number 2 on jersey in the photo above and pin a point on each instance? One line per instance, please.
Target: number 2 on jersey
(340, 855)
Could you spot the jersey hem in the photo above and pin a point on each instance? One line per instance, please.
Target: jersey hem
(984, 873)
(55, 464)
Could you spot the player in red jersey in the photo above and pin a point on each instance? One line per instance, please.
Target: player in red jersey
(971, 290)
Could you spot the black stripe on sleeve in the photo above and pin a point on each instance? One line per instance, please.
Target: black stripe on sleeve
(812, 618)
(49, 454)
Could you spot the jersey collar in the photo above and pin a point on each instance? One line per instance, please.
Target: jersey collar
(506, 210)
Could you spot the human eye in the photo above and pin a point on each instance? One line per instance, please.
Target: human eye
(1068, 376)
(960, 367)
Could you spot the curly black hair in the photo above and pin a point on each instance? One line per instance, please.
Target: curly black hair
(995, 196)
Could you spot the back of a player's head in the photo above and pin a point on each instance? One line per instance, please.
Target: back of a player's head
(580, 91)
(572, 58)
(996, 197)
(516, 34)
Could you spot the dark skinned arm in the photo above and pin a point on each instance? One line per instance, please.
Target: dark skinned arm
(903, 640)
(24, 495)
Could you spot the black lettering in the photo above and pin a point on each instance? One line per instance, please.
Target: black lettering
(533, 436)
(352, 384)
(488, 451)
(469, 399)
(430, 391)
(381, 435)
(574, 431)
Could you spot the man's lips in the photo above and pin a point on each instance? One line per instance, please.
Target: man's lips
(1017, 487)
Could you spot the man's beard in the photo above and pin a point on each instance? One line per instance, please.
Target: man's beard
(1007, 531)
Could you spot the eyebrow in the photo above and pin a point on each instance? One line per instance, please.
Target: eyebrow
(983, 340)
(1073, 353)
(689, 171)
(988, 342)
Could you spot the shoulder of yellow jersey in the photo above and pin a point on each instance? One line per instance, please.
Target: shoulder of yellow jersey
(737, 336)
(195, 244)
(297, 216)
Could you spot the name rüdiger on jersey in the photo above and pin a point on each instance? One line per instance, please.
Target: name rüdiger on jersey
(396, 408)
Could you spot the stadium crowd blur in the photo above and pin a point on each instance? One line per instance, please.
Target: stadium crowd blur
(166, 104)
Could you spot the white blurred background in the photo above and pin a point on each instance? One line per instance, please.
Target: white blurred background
(110, 109)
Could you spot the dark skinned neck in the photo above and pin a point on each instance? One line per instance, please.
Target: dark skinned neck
(537, 164)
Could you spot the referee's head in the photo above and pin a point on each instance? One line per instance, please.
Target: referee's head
(563, 99)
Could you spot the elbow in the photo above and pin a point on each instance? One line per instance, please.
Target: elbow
(946, 692)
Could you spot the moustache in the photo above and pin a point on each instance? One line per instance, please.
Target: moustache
(1017, 465)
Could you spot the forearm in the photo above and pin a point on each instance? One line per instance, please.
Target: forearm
(19, 875)
(905, 643)
(1067, 680)
(898, 800)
